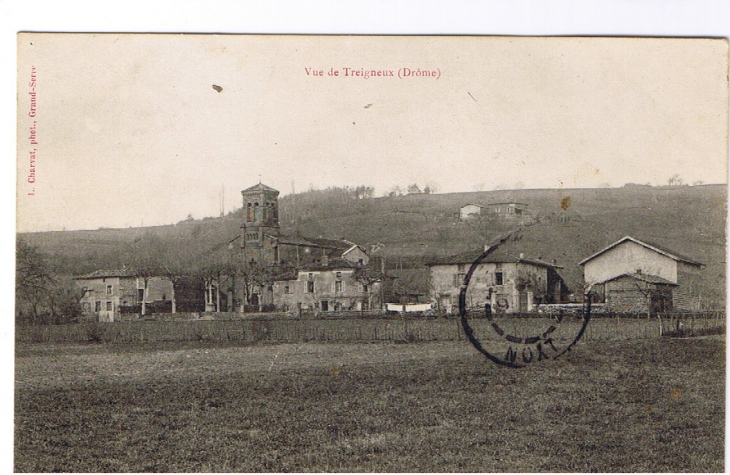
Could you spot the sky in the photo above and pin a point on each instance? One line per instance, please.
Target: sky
(131, 131)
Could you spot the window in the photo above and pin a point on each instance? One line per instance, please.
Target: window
(108, 306)
(498, 278)
(339, 275)
(459, 279)
(461, 267)
(109, 289)
(364, 287)
(310, 287)
(97, 306)
(338, 285)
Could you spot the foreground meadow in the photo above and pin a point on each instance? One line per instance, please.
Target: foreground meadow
(647, 405)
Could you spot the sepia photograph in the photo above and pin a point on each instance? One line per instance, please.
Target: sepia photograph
(370, 253)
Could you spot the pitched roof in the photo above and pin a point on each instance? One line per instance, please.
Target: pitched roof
(291, 240)
(258, 188)
(288, 275)
(330, 243)
(99, 274)
(353, 247)
(651, 279)
(672, 255)
(496, 257)
(333, 264)
(508, 203)
(312, 242)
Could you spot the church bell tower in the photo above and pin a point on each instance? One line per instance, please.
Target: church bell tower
(260, 218)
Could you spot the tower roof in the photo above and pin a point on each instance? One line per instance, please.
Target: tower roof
(259, 187)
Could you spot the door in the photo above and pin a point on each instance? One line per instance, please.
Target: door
(445, 302)
(325, 305)
(522, 307)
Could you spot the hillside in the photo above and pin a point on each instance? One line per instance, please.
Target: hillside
(570, 225)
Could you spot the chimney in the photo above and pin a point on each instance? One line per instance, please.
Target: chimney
(522, 255)
(486, 247)
(555, 262)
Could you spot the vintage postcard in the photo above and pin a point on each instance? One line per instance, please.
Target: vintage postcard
(271, 253)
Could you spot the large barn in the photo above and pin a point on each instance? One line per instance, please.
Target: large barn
(635, 276)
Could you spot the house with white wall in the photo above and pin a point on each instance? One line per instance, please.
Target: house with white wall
(636, 276)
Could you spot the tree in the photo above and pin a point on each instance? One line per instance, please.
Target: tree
(145, 258)
(676, 180)
(367, 278)
(255, 276)
(173, 264)
(432, 186)
(527, 280)
(63, 301)
(413, 189)
(42, 297)
(212, 274)
(33, 281)
(395, 191)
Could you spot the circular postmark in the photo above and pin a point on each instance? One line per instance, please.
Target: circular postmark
(509, 338)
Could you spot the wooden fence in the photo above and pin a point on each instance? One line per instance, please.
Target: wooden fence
(351, 330)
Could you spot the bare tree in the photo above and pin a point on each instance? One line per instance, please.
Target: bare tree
(413, 189)
(676, 180)
(41, 296)
(367, 278)
(33, 281)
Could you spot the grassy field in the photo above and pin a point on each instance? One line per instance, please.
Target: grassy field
(644, 405)
(346, 330)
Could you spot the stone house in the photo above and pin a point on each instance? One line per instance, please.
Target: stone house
(113, 295)
(510, 210)
(635, 276)
(510, 284)
(333, 286)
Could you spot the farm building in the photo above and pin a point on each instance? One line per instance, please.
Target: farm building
(113, 295)
(637, 293)
(331, 286)
(633, 275)
(510, 210)
(470, 211)
(509, 284)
